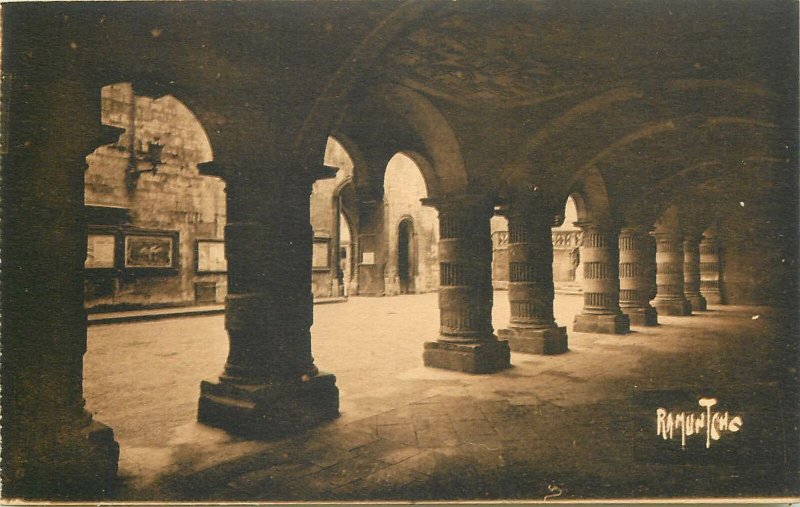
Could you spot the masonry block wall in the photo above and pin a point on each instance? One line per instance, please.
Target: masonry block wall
(176, 199)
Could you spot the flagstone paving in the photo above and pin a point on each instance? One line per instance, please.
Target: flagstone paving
(550, 425)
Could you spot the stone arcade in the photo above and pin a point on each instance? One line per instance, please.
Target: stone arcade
(673, 128)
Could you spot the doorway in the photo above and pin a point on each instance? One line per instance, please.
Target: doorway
(406, 258)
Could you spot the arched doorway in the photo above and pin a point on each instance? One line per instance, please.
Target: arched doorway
(409, 229)
(344, 257)
(406, 256)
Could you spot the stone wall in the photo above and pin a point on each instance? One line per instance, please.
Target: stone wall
(377, 273)
(403, 189)
(176, 199)
(324, 221)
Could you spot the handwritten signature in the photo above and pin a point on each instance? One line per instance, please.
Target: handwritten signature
(555, 490)
(710, 423)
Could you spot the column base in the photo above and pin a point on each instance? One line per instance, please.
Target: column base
(546, 341)
(269, 410)
(678, 308)
(486, 357)
(642, 316)
(607, 324)
(713, 298)
(698, 303)
(83, 467)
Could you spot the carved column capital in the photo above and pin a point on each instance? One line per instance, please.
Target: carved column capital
(610, 227)
(636, 229)
(469, 204)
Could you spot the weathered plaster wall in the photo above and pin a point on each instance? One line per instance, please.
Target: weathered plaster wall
(175, 198)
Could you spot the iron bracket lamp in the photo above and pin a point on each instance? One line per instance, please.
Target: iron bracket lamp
(146, 162)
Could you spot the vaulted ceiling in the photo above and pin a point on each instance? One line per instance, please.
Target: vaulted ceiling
(497, 96)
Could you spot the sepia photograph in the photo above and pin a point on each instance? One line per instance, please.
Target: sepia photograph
(407, 251)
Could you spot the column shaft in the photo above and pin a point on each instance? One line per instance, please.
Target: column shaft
(270, 385)
(532, 327)
(635, 266)
(371, 238)
(466, 341)
(709, 270)
(600, 261)
(670, 298)
(52, 447)
(691, 272)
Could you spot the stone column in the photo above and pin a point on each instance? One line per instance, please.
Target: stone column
(691, 272)
(600, 260)
(270, 385)
(532, 327)
(709, 270)
(500, 259)
(466, 342)
(635, 263)
(650, 246)
(52, 447)
(670, 298)
(371, 244)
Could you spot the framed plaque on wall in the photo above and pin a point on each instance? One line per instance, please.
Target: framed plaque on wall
(150, 250)
(101, 249)
(211, 256)
(320, 254)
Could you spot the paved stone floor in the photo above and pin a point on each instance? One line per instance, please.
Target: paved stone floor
(551, 425)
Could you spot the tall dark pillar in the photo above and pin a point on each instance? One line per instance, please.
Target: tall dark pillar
(371, 255)
(600, 261)
(270, 385)
(52, 447)
(670, 298)
(635, 265)
(532, 327)
(691, 272)
(709, 269)
(466, 342)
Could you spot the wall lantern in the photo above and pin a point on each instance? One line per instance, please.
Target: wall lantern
(142, 161)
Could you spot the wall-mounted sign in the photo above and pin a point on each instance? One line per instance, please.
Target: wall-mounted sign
(154, 251)
(211, 256)
(367, 257)
(100, 251)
